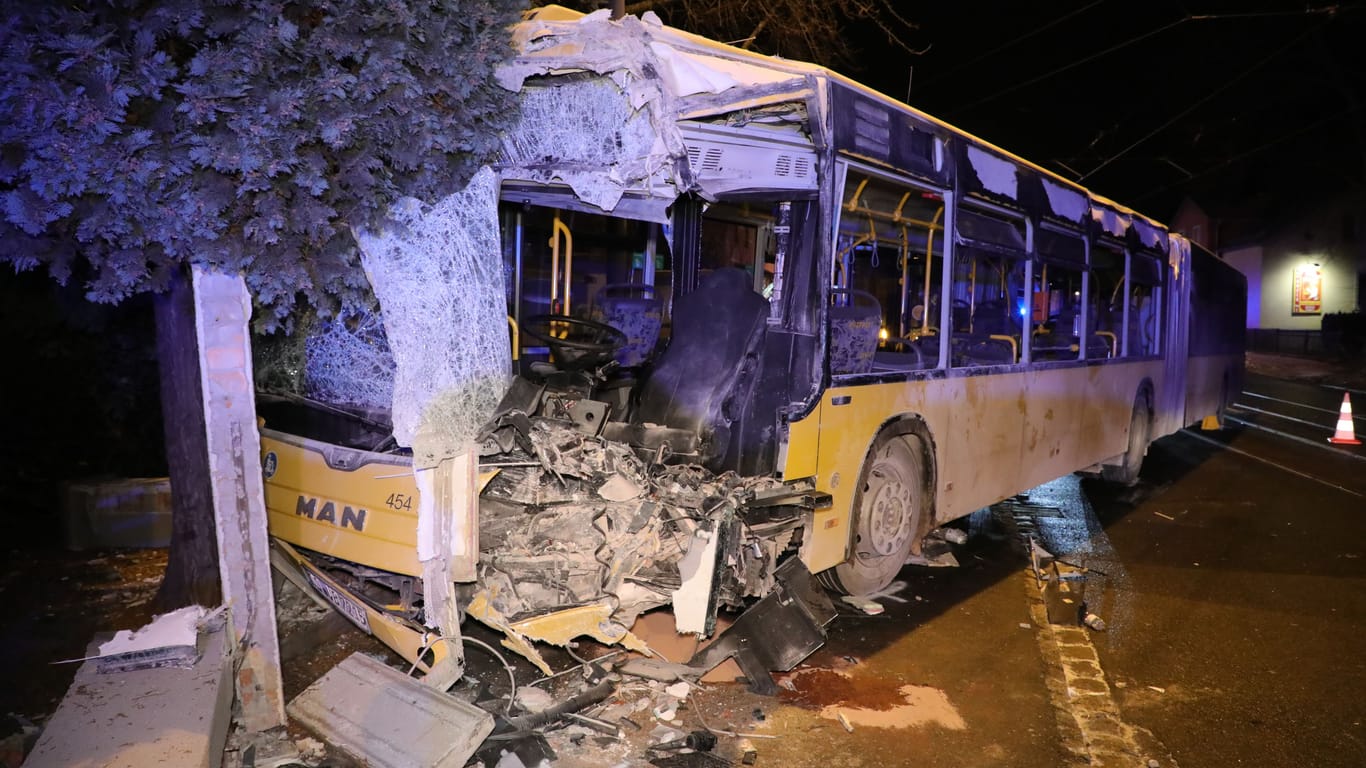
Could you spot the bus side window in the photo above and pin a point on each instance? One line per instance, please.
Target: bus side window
(1056, 292)
(988, 287)
(1106, 306)
(987, 322)
(887, 260)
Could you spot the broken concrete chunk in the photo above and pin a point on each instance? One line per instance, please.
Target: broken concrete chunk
(146, 717)
(168, 641)
(532, 699)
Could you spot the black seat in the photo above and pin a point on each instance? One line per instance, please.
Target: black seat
(994, 317)
(703, 378)
(853, 331)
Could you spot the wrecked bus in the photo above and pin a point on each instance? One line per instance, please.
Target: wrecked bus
(764, 323)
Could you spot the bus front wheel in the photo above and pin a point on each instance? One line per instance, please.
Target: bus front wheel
(1140, 430)
(888, 510)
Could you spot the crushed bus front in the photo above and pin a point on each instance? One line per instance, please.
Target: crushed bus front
(578, 535)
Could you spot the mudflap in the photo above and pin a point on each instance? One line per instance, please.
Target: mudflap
(776, 633)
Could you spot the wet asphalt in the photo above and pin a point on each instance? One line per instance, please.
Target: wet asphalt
(1232, 583)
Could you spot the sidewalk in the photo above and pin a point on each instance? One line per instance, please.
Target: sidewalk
(1310, 370)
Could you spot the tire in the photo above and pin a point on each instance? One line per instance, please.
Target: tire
(1140, 430)
(889, 506)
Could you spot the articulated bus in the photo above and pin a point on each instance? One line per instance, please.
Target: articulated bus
(762, 271)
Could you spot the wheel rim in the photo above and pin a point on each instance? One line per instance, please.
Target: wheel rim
(888, 517)
(890, 510)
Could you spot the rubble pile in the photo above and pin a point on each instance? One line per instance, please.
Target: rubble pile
(573, 519)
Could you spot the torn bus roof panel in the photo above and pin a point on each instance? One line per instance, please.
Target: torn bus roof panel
(619, 132)
(1065, 202)
(1112, 222)
(725, 159)
(558, 43)
(996, 175)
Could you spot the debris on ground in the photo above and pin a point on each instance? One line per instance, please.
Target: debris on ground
(698, 741)
(170, 640)
(381, 717)
(869, 607)
(271, 749)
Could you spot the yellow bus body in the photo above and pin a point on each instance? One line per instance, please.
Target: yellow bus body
(381, 529)
(992, 436)
(407, 639)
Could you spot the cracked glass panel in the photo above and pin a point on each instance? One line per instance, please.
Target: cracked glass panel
(437, 273)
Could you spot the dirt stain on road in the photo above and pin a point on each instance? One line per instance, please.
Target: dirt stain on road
(870, 702)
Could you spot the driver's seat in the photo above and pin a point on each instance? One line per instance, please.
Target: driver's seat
(704, 378)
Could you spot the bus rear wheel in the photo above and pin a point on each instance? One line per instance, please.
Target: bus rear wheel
(888, 510)
(1140, 430)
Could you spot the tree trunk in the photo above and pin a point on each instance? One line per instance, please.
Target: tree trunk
(192, 572)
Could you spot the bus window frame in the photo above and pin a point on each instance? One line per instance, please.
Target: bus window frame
(977, 205)
(1159, 288)
(1123, 251)
(837, 207)
(1038, 262)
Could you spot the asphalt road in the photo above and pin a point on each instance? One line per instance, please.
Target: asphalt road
(1243, 589)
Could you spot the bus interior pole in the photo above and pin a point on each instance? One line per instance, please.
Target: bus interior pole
(929, 270)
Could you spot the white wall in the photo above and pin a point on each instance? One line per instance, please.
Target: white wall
(1339, 287)
(1320, 236)
(1248, 260)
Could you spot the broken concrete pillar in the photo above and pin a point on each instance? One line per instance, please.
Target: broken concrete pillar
(222, 313)
(448, 548)
(167, 716)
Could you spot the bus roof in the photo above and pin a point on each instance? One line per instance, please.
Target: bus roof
(553, 39)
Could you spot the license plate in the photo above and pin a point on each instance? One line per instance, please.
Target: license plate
(341, 601)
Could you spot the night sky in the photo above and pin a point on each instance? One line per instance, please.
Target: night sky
(1247, 107)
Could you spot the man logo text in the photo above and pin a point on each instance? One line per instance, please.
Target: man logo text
(350, 518)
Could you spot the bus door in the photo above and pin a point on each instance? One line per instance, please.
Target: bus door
(1171, 393)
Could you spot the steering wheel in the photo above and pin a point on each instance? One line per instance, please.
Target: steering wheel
(576, 343)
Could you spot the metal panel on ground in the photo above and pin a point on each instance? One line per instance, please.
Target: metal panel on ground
(384, 718)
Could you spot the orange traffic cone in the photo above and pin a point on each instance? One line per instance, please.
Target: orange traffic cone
(1346, 433)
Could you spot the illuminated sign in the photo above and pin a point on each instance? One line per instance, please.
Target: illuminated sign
(1307, 290)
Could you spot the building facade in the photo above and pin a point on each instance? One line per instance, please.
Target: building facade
(1299, 267)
